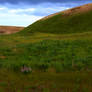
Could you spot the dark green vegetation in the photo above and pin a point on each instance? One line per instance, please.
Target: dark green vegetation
(48, 54)
(59, 52)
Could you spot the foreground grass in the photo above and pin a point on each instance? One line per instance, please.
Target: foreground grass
(45, 82)
(58, 62)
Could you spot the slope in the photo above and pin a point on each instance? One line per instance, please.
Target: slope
(60, 60)
(75, 20)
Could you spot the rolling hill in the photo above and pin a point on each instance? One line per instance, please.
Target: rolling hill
(9, 29)
(75, 20)
(53, 54)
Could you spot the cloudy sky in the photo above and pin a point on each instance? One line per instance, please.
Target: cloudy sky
(25, 12)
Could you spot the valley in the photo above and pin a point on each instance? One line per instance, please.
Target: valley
(56, 51)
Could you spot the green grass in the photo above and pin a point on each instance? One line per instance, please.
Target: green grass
(58, 50)
(49, 81)
(58, 62)
(60, 24)
(59, 55)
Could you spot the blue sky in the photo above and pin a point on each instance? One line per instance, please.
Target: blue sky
(25, 12)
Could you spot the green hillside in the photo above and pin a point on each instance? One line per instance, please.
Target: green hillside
(57, 53)
(62, 24)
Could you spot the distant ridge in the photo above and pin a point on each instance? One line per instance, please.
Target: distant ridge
(9, 29)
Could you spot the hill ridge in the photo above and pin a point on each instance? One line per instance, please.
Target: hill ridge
(75, 20)
(10, 29)
(74, 10)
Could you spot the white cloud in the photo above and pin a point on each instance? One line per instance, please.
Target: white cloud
(2, 8)
(56, 9)
(21, 10)
(25, 15)
(17, 20)
(12, 18)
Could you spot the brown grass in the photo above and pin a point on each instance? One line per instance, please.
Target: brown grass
(80, 9)
(9, 29)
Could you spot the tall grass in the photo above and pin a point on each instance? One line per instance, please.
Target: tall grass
(59, 55)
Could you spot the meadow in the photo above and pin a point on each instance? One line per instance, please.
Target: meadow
(57, 53)
(58, 62)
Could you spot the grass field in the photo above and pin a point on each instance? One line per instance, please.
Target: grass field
(57, 50)
(58, 62)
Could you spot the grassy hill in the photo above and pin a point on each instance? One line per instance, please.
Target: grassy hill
(70, 21)
(10, 29)
(58, 51)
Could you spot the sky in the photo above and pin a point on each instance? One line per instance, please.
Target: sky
(25, 12)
